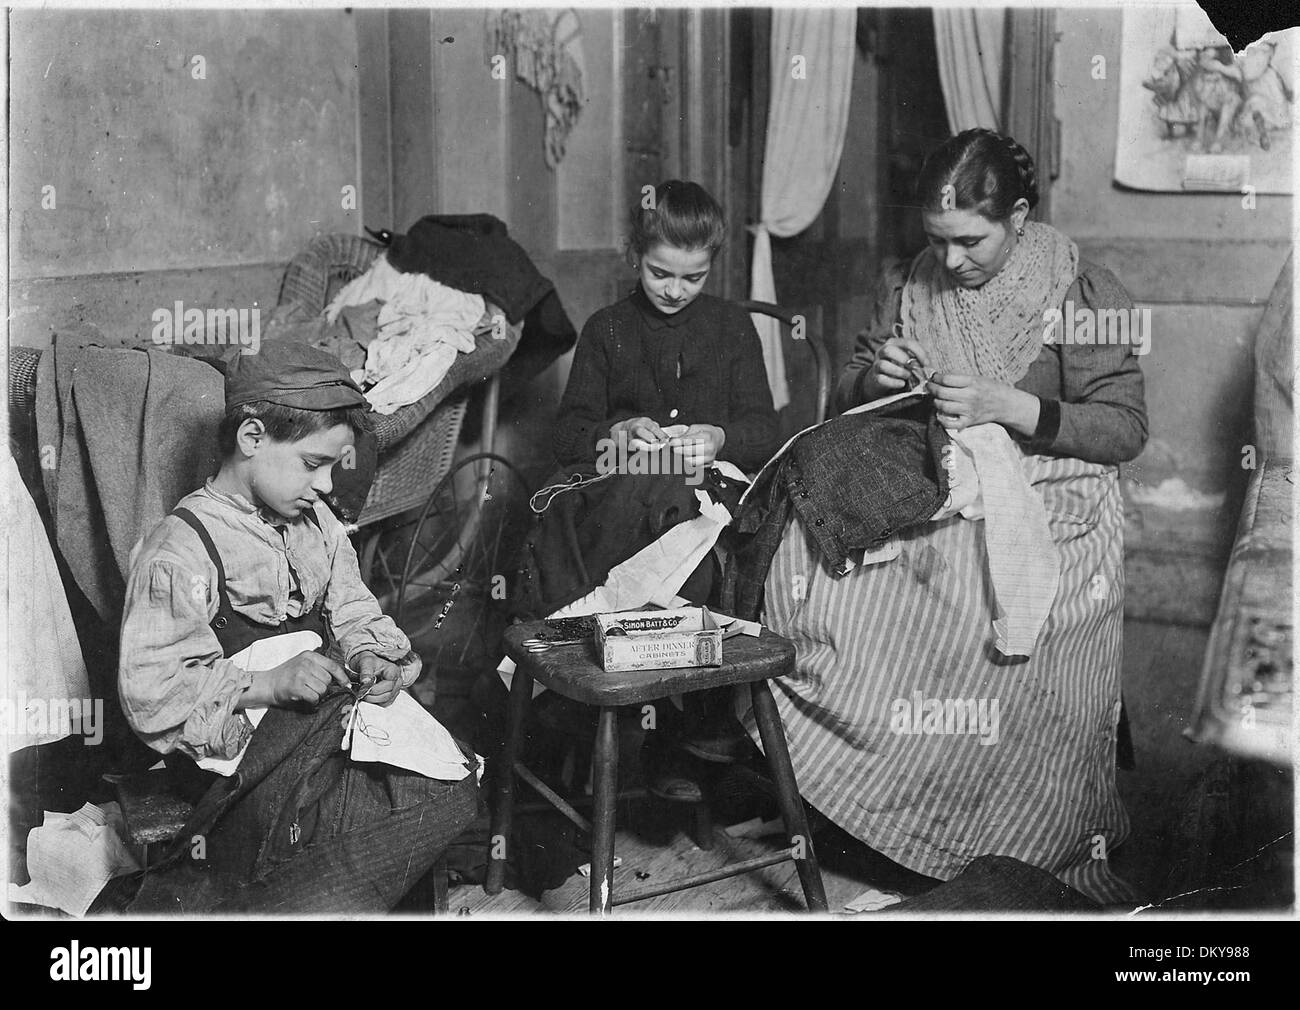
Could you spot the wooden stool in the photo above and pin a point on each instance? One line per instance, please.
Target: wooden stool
(573, 672)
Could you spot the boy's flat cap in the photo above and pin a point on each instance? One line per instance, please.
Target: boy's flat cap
(293, 375)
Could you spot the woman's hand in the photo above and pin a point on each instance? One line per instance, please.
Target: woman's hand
(646, 429)
(890, 371)
(962, 401)
(385, 675)
(699, 444)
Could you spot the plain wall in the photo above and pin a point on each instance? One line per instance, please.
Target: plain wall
(191, 154)
(1204, 265)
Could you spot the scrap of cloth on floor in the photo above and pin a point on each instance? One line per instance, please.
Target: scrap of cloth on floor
(131, 433)
(422, 326)
(475, 253)
(48, 688)
(72, 856)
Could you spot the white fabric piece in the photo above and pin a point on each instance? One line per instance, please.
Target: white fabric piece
(655, 573)
(47, 676)
(70, 858)
(422, 326)
(264, 654)
(404, 735)
(969, 41)
(1024, 564)
(808, 113)
(963, 485)
(878, 555)
(873, 900)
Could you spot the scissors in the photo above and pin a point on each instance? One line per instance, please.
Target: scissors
(543, 644)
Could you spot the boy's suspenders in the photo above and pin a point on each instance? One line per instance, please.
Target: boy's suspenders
(223, 601)
(234, 631)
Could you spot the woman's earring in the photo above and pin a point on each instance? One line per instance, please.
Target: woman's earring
(1021, 231)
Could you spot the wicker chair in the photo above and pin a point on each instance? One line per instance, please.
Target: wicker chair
(417, 444)
(416, 450)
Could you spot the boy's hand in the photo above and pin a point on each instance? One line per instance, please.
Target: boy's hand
(384, 674)
(303, 680)
(700, 444)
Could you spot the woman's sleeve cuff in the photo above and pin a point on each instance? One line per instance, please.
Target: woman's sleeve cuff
(1049, 425)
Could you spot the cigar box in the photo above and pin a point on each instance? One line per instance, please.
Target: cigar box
(658, 639)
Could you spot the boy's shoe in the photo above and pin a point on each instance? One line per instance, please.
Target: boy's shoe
(676, 788)
(726, 749)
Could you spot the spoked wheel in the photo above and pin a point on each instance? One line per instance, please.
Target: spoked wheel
(459, 533)
(458, 549)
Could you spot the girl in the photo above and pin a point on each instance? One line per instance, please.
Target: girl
(667, 368)
(668, 356)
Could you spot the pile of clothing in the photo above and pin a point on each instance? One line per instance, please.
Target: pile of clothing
(450, 286)
(411, 329)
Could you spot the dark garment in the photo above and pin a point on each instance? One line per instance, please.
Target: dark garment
(854, 481)
(586, 532)
(1092, 403)
(128, 434)
(701, 365)
(475, 253)
(1000, 884)
(300, 827)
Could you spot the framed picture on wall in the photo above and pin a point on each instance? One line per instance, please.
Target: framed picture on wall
(1194, 115)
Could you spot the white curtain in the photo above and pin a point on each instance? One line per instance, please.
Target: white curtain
(970, 43)
(812, 76)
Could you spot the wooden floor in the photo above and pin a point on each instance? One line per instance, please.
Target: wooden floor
(1162, 668)
(772, 889)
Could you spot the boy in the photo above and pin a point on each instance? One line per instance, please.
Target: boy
(255, 554)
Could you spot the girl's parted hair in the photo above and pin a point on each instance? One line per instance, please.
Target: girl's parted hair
(986, 171)
(684, 215)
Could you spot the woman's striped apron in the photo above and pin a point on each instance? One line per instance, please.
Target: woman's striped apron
(909, 730)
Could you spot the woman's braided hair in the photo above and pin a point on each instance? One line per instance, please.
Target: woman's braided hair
(987, 173)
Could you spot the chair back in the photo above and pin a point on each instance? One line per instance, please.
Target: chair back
(802, 332)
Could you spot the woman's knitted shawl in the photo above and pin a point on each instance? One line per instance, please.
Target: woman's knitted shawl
(995, 330)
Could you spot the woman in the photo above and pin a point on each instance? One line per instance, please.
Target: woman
(888, 651)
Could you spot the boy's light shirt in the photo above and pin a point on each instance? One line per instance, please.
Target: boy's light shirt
(177, 689)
